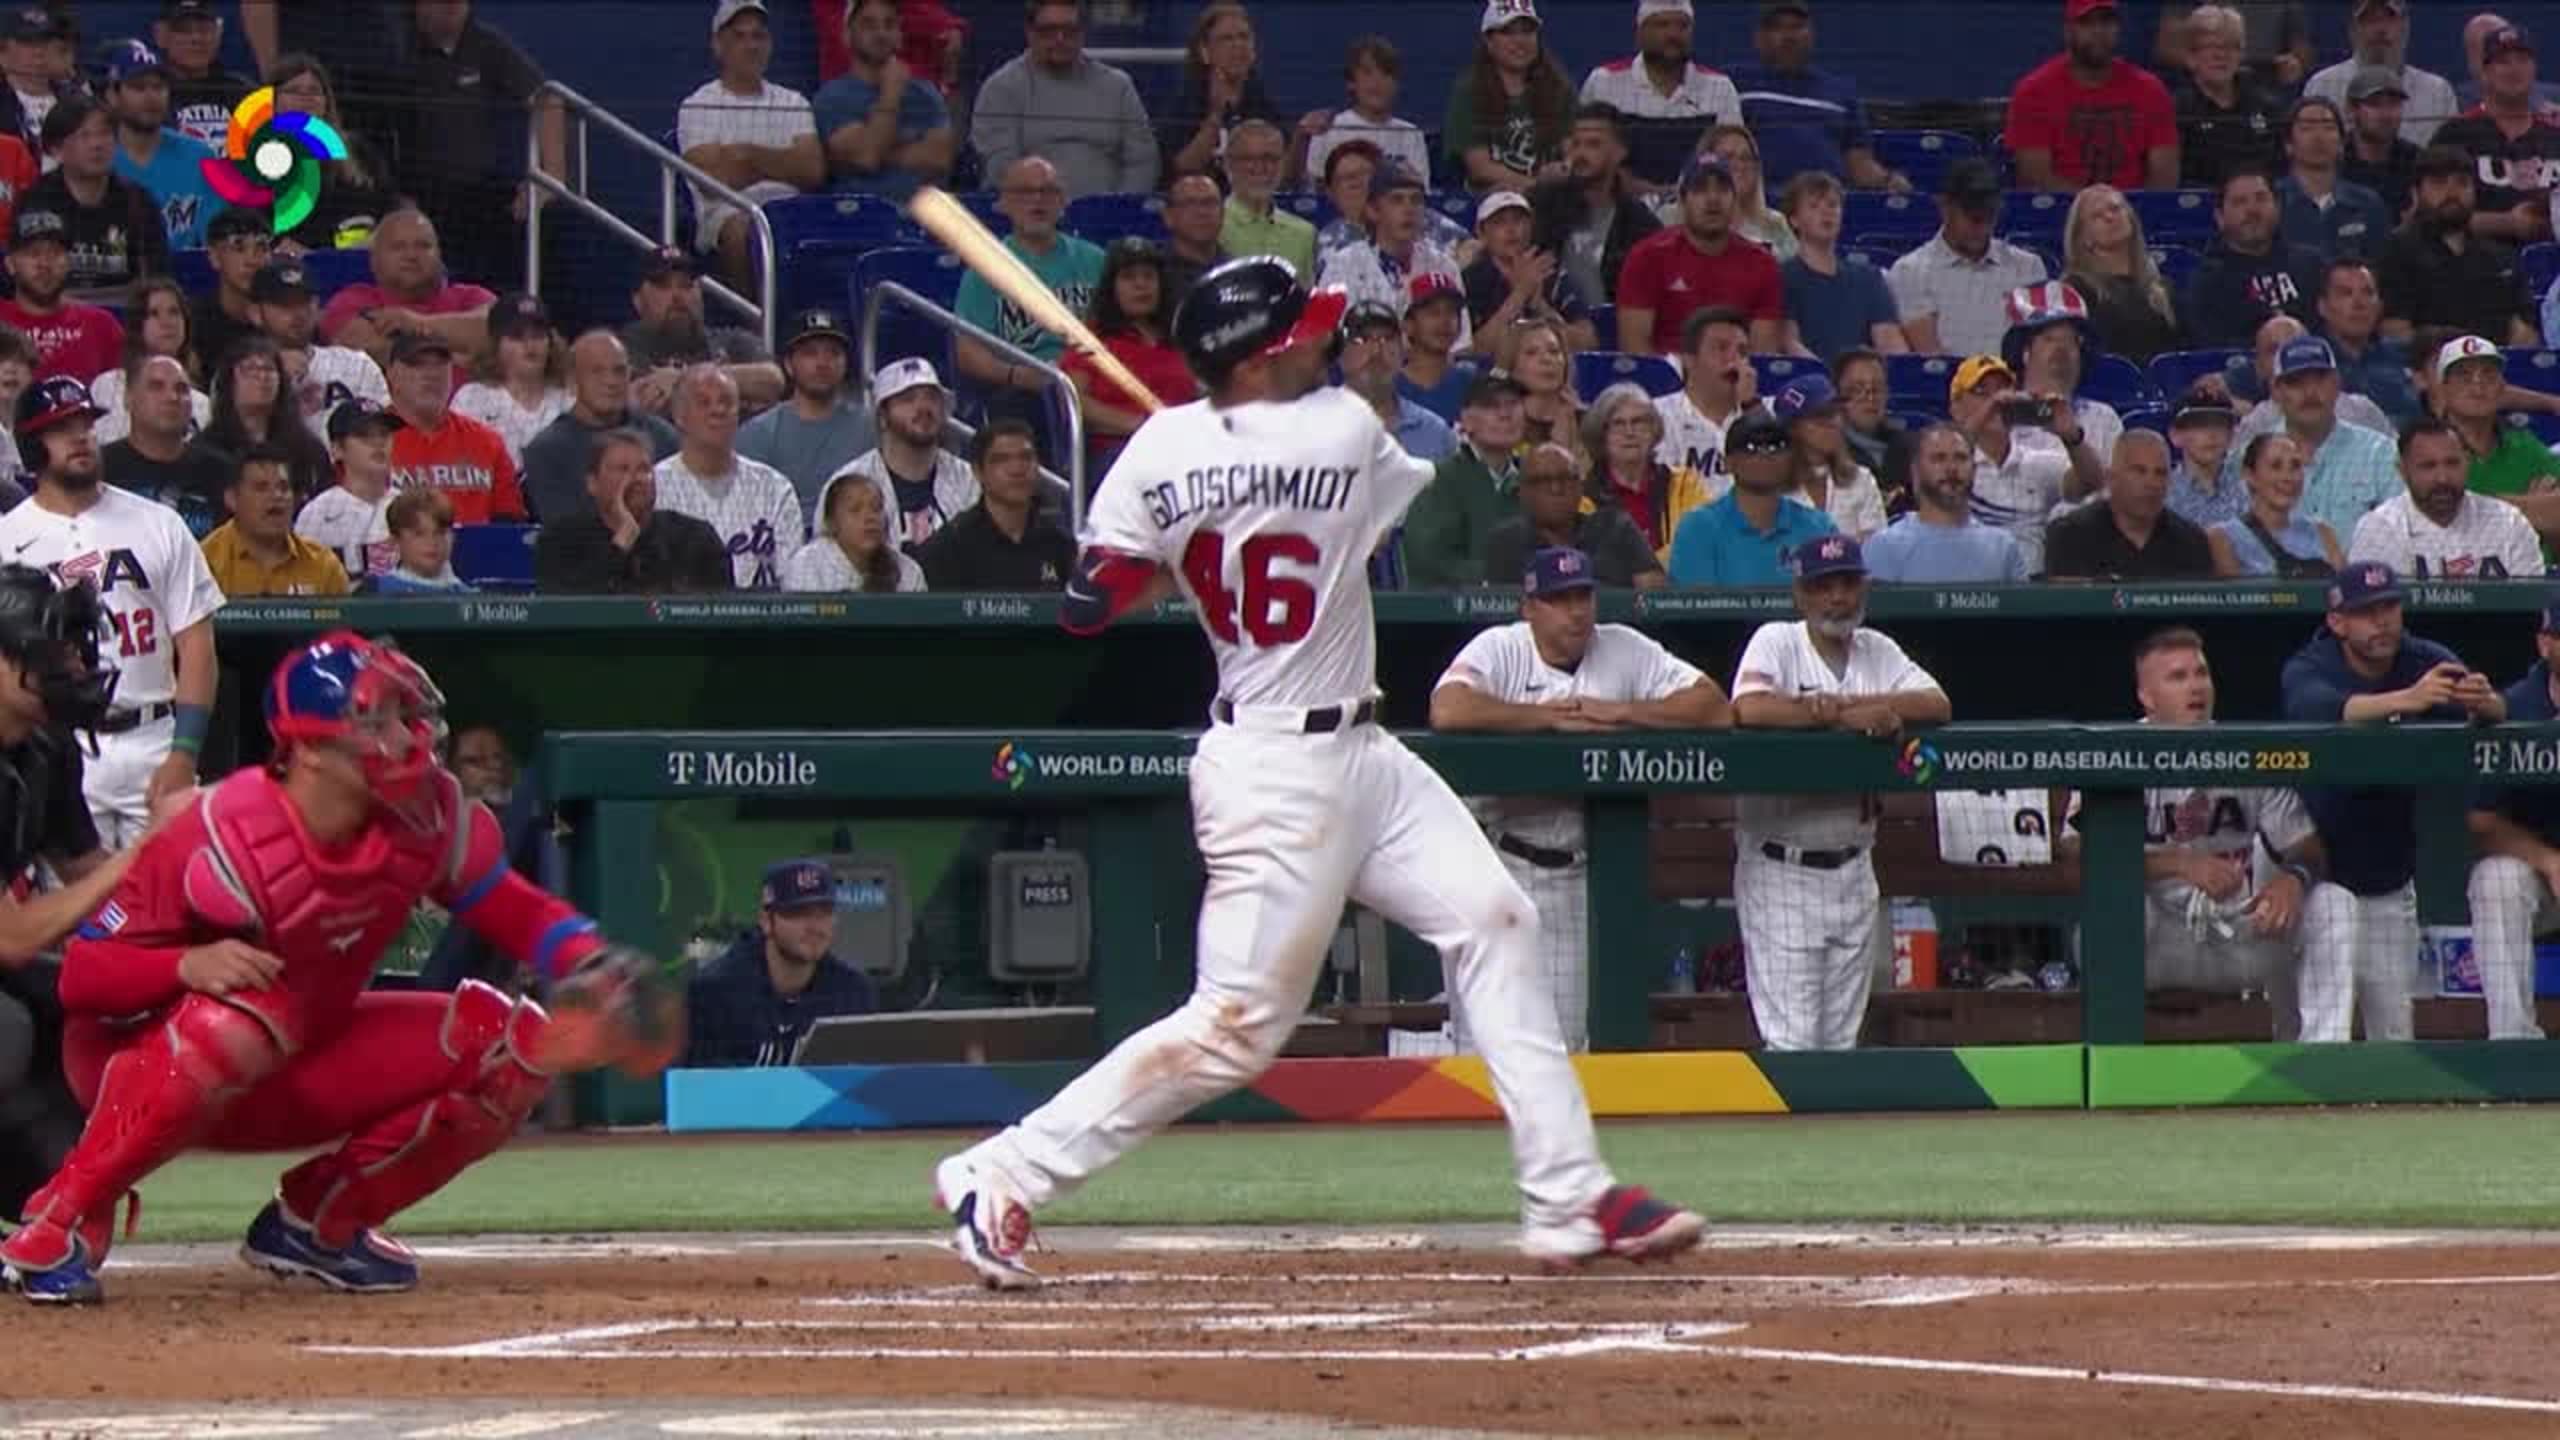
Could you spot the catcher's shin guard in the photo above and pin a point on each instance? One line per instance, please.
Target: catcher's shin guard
(397, 1160)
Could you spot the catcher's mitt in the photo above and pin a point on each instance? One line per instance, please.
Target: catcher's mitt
(615, 1009)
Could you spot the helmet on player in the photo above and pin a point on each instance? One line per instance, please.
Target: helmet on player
(50, 628)
(1252, 307)
(343, 688)
(47, 403)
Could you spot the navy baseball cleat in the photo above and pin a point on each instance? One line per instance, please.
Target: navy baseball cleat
(71, 1280)
(372, 1264)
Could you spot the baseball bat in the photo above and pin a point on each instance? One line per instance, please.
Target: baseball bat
(950, 222)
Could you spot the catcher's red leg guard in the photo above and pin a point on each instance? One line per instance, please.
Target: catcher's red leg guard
(399, 1159)
(156, 1098)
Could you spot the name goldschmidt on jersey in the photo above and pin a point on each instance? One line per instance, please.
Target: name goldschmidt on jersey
(1236, 487)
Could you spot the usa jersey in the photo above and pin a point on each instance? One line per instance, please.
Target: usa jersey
(1266, 514)
(150, 575)
(2227, 824)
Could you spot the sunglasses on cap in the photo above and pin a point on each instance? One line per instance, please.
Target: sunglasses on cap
(1760, 443)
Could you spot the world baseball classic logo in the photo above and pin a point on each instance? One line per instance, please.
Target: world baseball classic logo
(1012, 767)
(1918, 762)
(272, 157)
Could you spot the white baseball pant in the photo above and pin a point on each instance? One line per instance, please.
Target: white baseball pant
(1812, 941)
(2510, 905)
(2375, 939)
(114, 779)
(2298, 987)
(1564, 948)
(1290, 825)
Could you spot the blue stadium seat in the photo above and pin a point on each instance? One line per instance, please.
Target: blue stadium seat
(2541, 265)
(2545, 428)
(2534, 370)
(1597, 370)
(2033, 215)
(1919, 380)
(1924, 155)
(2181, 217)
(929, 272)
(331, 271)
(1604, 323)
(2118, 382)
(1313, 206)
(2173, 372)
(1915, 419)
(193, 270)
(1879, 254)
(1776, 370)
(1458, 205)
(866, 220)
(495, 557)
(2176, 263)
(1102, 219)
(1873, 214)
(982, 203)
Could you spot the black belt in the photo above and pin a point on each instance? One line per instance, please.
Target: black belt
(1538, 855)
(1810, 859)
(1323, 720)
(117, 722)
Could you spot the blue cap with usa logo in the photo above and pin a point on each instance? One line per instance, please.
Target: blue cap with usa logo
(798, 885)
(49, 402)
(1557, 570)
(2363, 584)
(1827, 555)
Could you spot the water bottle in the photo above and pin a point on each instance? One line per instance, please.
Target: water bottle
(1683, 977)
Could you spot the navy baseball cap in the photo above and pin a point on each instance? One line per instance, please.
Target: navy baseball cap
(1393, 175)
(2363, 584)
(668, 260)
(1805, 395)
(518, 313)
(1704, 166)
(1372, 315)
(1757, 432)
(356, 412)
(1558, 570)
(816, 324)
(279, 281)
(798, 885)
(2305, 356)
(408, 346)
(34, 22)
(32, 225)
(121, 60)
(2503, 41)
(1833, 554)
(48, 403)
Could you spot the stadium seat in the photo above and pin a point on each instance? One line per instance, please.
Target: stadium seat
(2118, 382)
(2541, 265)
(866, 220)
(2534, 370)
(330, 271)
(1873, 214)
(1313, 206)
(2173, 372)
(1597, 370)
(982, 203)
(193, 270)
(2180, 217)
(1776, 370)
(1924, 155)
(2176, 263)
(929, 272)
(1919, 380)
(1880, 256)
(2034, 215)
(2545, 428)
(1916, 419)
(495, 557)
(1102, 219)
(1458, 205)
(1604, 323)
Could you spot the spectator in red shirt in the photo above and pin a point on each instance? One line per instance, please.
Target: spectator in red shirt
(70, 338)
(410, 293)
(436, 449)
(1130, 315)
(2090, 117)
(1697, 263)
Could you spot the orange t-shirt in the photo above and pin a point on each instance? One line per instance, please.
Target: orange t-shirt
(466, 460)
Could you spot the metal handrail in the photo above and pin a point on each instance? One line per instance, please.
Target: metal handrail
(586, 112)
(885, 291)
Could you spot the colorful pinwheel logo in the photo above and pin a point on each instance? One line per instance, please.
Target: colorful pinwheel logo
(272, 157)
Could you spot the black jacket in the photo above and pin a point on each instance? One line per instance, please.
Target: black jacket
(2232, 294)
(675, 555)
(1557, 207)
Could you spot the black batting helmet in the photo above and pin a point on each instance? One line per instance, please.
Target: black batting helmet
(45, 625)
(1249, 307)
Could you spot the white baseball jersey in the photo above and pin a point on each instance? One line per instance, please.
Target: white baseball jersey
(1702, 94)
(107, 393)
(753, 509)
(776, 117)
(2222, 823)
(1689, 438)
(2488, 540)
(1266, 514)
(496, 407)
(1368, 273)
(357, 529)
(954, 489)
(150, 576)
(2017, 494)
(1781, 660)
(336, 365)
(1623, 664)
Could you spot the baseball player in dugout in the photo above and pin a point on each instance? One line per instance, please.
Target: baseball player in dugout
(1556, 670)
(1804, 879)
(158, 594)
(2515, 885)
(182, 1034)
(1262, 504)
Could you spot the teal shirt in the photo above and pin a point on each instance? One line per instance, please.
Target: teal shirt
(1071, 268)
(1715, 545)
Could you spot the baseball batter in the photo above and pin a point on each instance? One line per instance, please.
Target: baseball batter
(1557, 669)
(1804, 879)
(1262, 504)
(159, 599)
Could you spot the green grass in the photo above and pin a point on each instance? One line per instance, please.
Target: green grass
(2482, 1166)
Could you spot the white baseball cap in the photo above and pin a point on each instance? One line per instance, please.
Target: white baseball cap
(1647, 9)
(728, 10)
(2466, 347)
(900, 376)
(1498, 13)
(1497, 202)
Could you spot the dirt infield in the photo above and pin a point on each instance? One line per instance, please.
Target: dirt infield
(1992, 1336)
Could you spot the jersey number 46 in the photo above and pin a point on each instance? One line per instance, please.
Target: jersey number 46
(1271, 609)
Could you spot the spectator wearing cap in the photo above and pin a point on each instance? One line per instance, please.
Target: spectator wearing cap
(1435, 375)
(2323, 210)
(1372, 74)
(621, 542)
(1669, 100)
(1349, 174)
(255, 552)
(2436, 528)
(29, 35)
(557, 460)
(2020, 470)
(2227, 117)
(1510, 106)
(116, 235)
(1753, 217)
(2129, 532)
(885, 130)
(758, 138)
(821, 425)
(2090, 116)
(160, 327)
(852, 549)
(239, 242)
(1952, 291)
(1054, 100)
(410, 293)
(1372, 362)
(1835, 302)
(1593, 215)
(2506, 462)
(667, 333)
(757, 514)
(1221, 89)
(1806, 119)
(2379, 154)
(1132, 315)
(2439, 269)
(1471, 492)
(755, 1003)
(188, 35)
(2379, 30)
(1940, 542)
(2047, 346)
(1698, 263)
(2348, 469)
(352, 517)
(2476, 33)
(72, 339)
(1195, 213)
(2512, 142)
(1827, 476)
(2200, 430)
(1384, 267)
(1015, 538)
(467, 88)
(1744, 537)
(1511, 280)
(2268, 414)
(152, 153)
(519, 374)
(318, 376)
(2249, 272)
(1031, 195)
(1252, 221)
(437, 449)
(162, 456)
(2370, 364)
(1556, 513)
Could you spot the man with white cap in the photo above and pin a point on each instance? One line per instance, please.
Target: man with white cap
(922, 486)
(1668, 98)
(758, 138)
(2506, 462)
(1512, 280)
(2437, 529)
(2381, 34)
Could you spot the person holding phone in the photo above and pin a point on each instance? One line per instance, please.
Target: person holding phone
(2021, 468)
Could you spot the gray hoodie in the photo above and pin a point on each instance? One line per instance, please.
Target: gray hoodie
(1089, 123)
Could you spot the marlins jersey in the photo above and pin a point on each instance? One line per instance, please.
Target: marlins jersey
(1266, 514)
(148, 571)
(753, 509)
